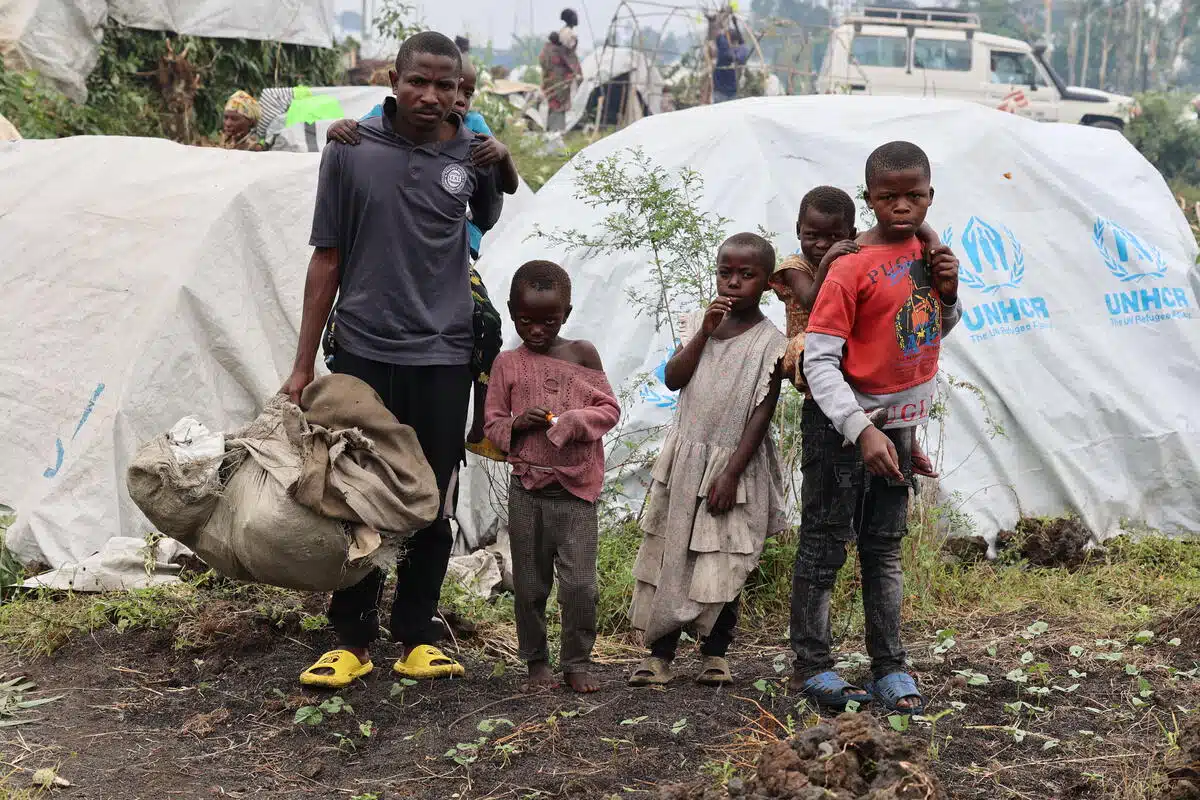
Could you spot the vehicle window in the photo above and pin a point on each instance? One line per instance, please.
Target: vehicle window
(1015, 68)
(880, 51)
(942, 54)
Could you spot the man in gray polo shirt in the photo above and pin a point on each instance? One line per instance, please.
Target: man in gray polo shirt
(391, 244)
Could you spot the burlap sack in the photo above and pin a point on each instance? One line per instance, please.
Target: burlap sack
(259, 533)
(177, 498)
(359, 463)
(302, 506)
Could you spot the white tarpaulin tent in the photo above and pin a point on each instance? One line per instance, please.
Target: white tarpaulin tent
(306, 22)
(60, 39)
(1079, 292)
(145, 281)
(625, 81)
(8, 131)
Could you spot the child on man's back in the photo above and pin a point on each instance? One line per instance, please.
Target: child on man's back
(873, 342)
(549, 405)
(825, 228)
(716, 493)
(486, 319)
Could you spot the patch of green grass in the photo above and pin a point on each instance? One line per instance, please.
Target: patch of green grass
(38, 623)
(41, 622)
(11, 571)
(10, 790)
(614, 561)
(1132, 582)
(475, 608)
(536, 164)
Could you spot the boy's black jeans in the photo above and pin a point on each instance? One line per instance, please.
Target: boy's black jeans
(841, 502)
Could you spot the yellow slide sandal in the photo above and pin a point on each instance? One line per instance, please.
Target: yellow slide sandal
(426, 661)
(336, 669)
(487, 449)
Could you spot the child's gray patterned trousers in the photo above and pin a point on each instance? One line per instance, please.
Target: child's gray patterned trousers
(552, 529)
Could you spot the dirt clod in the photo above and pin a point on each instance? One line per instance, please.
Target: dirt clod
(204, 724)
(221, 627)
(1185, 625)
(850, 758)
(968, 549)
(1061, 542)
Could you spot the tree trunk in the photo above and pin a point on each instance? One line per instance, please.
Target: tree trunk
(1100, 84)
(1139, 48)
(1181, 39)
(1072, 51)
(1151, 72)
(1139, 45)
(1126, 54)
(1087, 49)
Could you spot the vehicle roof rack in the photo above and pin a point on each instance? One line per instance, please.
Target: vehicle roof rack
(923, 17)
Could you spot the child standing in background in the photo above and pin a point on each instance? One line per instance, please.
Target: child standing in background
(716, 492)
(825, 228)
(488, 337)
(874, 339)
(549, 405)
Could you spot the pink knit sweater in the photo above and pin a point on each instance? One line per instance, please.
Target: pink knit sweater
(571, 452)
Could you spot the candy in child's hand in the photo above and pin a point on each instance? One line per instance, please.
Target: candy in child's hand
(553, 420)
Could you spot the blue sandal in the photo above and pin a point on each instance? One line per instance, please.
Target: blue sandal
(891, 689)
(829, 691)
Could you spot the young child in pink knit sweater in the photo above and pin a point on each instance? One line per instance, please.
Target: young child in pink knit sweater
(548, 406)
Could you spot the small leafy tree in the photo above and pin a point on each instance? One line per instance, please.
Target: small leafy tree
(1167, 140)
(656, 212)
(396, 19)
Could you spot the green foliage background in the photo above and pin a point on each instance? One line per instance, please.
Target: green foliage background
(123, 96)
(1167, 139)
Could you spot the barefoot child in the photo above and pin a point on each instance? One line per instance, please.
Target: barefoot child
(825, 228)
(486, 319)
(716, 493)
(873, 343)
(548, 406)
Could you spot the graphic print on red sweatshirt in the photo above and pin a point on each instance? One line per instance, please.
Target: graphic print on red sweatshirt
(882, 302)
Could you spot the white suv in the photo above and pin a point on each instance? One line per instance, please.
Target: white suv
(934, 53)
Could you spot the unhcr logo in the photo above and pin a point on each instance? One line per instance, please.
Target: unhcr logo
(1126, 257)
(654, 389)
(995, 261)
(1131, 260)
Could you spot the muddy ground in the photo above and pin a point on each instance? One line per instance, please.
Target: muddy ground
(142, 717)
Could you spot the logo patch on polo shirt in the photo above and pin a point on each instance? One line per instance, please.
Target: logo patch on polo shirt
(454, 178)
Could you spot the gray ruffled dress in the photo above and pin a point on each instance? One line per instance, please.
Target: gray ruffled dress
(692, 562)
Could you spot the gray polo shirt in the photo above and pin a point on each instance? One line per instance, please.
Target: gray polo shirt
(397, 214)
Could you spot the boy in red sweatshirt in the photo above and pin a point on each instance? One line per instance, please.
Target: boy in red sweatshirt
(873, 342)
